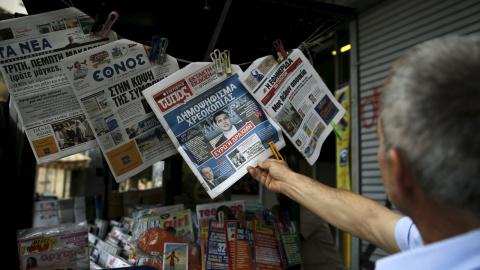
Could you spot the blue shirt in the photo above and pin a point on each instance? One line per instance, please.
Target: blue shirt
(459, 252)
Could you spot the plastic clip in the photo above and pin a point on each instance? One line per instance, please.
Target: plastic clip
(226, 61)
(337, 131)
(162, 49)
(282, 54)
(96, 22)
(108, 24)
(154, 47)
(216, 58)
(275, 151)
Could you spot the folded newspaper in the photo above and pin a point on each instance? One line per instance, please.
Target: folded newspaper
(110, 92)
(215, 124)
(296, 97)
(31, 48)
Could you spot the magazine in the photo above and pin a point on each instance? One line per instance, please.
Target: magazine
(39, 248)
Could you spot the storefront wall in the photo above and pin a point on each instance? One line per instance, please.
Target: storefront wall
(384, 32)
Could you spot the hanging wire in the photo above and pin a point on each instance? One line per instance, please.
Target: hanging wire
(69, 5)
(313, 39)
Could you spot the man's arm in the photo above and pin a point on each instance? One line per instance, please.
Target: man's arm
(346, 210)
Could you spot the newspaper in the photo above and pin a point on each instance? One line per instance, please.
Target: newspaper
(295, 95)
(31, 48)
(186, 104)
(110, 92)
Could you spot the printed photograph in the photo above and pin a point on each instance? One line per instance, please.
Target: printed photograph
(289, 119)
(44, 28)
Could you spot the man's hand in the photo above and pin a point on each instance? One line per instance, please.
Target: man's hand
(271, 173)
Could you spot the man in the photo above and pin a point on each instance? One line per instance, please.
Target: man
(211, 179)
(224, 123)
(429, 158)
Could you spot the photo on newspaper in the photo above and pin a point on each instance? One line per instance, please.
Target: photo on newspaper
(31, 50)
(294, 94)
(110, 92)
(216, 125)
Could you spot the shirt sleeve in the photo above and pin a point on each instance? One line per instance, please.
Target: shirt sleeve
(407, 234)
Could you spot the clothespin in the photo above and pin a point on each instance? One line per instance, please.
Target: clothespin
(216, 58)
(108, 24)
(96, 22)
(162, 50)
(337, 131)
(221, 218)
(226, 61)
(282, 54)
(154, 47)
(275, 151)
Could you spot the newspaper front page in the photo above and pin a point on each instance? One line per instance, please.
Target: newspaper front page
(110, 92)
(31, 48)
(295, 95)
(216, 125)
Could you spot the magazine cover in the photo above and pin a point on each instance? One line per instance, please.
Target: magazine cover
(37, 247)
(215, 124)
(175, 256)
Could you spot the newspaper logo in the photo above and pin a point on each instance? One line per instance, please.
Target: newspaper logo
(173, 96)
(99, 58)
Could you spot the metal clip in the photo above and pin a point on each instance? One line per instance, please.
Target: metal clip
(108, 24)
(216, 58)
(226, 61)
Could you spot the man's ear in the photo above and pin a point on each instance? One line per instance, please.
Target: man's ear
(402, 175)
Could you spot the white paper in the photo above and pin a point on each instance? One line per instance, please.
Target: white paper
(293, 94)
(186, 102)
(110, 93)
(31, 48)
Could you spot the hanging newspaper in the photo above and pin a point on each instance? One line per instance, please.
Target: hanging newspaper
(217, 127)
(128, 133)
(31, 48)
(295, 95)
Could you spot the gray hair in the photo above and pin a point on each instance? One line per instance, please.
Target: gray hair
(430, 112)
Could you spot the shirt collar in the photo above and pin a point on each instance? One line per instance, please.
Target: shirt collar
(459, 252)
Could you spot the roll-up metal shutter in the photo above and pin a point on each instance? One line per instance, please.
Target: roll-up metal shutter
(385, 32)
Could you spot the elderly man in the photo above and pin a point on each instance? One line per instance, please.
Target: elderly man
(429, 156)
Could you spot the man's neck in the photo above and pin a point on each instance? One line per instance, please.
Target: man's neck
(437, 222)
(228, 134)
